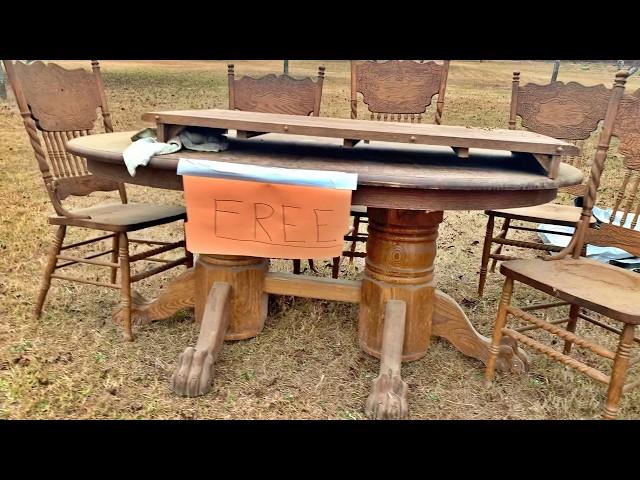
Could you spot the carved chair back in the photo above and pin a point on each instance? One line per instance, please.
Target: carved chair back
(398, 90)
(626, 206)
(567, 111)
(276, 93)
(622, 120)
(57, 105)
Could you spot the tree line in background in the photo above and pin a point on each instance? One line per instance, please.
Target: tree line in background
(632, 65)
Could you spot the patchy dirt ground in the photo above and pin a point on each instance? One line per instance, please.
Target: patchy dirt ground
(306, 364)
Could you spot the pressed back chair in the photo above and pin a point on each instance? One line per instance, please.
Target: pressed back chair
(279, 94)
(57, 105)
(276, 93)
(394, 91)
(585, 284)
(568, 111)
(398, 90)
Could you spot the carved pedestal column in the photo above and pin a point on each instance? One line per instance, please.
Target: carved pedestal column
(248, 303)
(401, 249)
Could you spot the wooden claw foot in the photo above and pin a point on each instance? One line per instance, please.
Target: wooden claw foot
(194, 373)
(388, 398)
(450, 322)
(178, 295)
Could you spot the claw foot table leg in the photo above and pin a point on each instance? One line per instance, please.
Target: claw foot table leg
(388, 398)
(396, 300)
(230, 304)
(194, 374)
(401, 249)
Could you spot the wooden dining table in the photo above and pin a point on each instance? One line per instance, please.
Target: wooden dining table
(406, 186)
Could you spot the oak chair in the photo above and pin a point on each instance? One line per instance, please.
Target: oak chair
(569, 112)
(279, 94)
(394, 91)
(584, 283)
(276, 93)
(57, 105)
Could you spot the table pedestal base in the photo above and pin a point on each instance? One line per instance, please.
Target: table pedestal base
(400, 309)
(401, 248)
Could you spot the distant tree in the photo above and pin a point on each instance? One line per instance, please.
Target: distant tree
(286, 67)
(556, 69)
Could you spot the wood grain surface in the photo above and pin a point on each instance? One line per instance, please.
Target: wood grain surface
(427, 134)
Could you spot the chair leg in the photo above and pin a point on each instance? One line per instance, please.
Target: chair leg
(486, 250)
(296, 267)
(125, 285)
(187, 253)
(619, 372)
(189, 256)
(114, 257)
(571, 327)
(49, 269)
(335, 268)
(503, 234)
(312, 265)
(356, 229)
(501, 320)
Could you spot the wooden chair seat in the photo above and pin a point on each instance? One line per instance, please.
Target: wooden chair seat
(553, 213)
(600, 287)
(119, 217)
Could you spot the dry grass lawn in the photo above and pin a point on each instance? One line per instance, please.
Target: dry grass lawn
(306, 364)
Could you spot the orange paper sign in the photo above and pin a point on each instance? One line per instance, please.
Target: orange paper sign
(236, 217)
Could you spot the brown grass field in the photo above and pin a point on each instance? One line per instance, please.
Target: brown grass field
(306, 364)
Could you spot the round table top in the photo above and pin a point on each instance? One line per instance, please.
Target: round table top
(390, 175)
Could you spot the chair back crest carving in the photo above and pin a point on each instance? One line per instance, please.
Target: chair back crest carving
(276, 93)
(398, 90)
(59, 99)
(568, 111)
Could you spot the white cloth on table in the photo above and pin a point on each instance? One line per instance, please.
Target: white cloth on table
(145, 145)
(140, 152)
